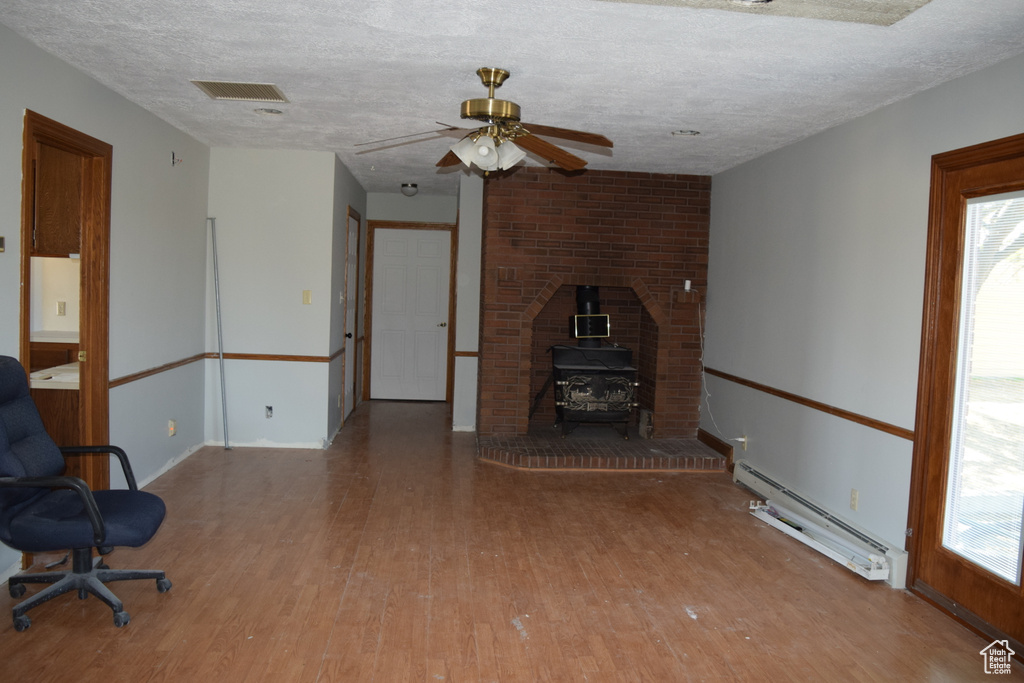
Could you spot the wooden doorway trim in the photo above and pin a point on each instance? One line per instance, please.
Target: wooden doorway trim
(356, 359)
(97, 164)
(371, 227)
(978, 171)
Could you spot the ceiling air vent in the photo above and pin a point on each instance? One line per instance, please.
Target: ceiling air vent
(250, 92)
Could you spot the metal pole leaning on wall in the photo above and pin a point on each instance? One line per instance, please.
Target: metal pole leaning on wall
(220, 333)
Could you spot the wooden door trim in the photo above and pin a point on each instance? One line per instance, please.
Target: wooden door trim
(356, 339)
(371, 227)
(937, 367)
(94, 325)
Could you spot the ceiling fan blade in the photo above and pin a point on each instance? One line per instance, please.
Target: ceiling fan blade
(549, 152)
(446, 129)
(567, 134)
(449, 159)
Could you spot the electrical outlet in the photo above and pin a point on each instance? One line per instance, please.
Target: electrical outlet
(172, 427)
(854, 499)
(270, 412)
(62, 308)
(307, 296)
(745, 442)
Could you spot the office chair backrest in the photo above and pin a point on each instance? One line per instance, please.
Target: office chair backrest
(26, 450)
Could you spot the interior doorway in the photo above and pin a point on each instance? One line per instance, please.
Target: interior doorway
(409, 325)
(66, 216)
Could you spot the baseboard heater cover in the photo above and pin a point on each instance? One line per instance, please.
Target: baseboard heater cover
(814, 526)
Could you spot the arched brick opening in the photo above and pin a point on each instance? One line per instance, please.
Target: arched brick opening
(635, 324)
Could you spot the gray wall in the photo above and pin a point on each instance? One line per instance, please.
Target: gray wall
(816, 281)
(279, 216)
(467, 297)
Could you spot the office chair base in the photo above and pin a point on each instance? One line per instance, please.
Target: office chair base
(85, 579)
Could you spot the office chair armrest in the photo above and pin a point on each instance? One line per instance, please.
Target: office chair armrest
(113, 450)
(80, 487)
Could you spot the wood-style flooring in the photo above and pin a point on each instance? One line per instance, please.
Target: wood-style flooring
(394, 555)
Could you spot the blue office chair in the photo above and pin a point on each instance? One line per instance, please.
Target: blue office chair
(43, 511)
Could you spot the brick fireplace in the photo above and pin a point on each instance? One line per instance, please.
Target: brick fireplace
(636, 236)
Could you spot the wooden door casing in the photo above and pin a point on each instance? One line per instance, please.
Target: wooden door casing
(985, 602)
(95, 162)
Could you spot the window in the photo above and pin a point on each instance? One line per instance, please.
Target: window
(985, 486)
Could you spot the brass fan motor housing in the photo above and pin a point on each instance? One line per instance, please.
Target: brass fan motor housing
(489, 110)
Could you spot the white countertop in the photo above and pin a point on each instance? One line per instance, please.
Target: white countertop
(62, 336)
(60, 377)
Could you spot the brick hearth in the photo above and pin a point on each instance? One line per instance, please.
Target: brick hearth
(598, 447)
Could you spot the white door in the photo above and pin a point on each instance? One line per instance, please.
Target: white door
(411, 272)
(351, 314)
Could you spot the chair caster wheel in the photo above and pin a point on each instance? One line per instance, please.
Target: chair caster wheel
(163, 585)
(121, 619)
(21, 623)
(16, 589)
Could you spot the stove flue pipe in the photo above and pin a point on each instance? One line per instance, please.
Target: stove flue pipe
(587, 303)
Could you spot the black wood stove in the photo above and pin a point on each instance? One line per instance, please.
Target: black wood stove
(595, 384)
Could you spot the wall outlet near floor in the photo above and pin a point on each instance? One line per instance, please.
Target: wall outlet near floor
(62, 308)
(172, 427)
(270, 412)
(854, 499)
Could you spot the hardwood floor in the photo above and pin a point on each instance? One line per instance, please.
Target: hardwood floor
(395, 556)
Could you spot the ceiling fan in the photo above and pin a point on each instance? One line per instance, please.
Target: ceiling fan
(497, 145)
(505, 140)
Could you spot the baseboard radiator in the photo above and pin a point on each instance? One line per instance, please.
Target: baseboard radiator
(811, 524)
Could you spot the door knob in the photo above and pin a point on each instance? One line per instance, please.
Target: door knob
(348, 335)
(442, 324)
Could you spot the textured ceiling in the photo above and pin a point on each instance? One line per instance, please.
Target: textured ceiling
(750, 81)
(881, 12)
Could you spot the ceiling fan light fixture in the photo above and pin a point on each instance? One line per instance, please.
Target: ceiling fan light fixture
(479, 151)
(464, 149)
(486, 153)
(509, 154)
